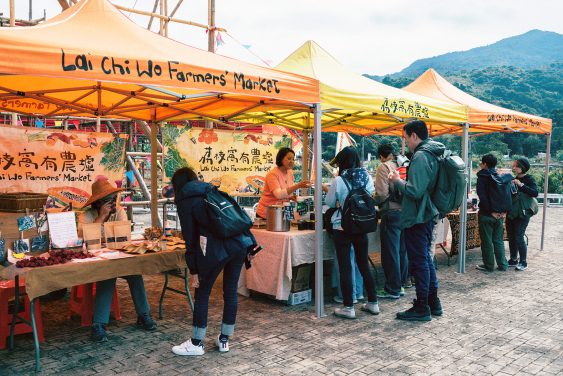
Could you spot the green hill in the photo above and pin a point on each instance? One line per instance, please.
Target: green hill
(535, 48)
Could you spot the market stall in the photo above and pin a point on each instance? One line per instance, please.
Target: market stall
(92, 61)
(483, 118)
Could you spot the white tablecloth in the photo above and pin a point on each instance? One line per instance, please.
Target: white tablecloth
(271, 269)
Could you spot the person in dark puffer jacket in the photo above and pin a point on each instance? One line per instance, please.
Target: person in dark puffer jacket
(516, 223)
(207, 257)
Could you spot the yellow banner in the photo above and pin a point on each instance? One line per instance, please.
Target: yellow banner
(235, 161)
(62, 164)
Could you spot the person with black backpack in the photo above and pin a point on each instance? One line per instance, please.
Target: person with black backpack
(209, 252)
(354, 218)
(418, 217)
(494, 202)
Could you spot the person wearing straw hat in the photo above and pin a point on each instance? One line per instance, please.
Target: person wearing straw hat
(103, 208)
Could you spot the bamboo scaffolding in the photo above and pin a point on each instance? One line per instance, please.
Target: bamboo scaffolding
(169, 19)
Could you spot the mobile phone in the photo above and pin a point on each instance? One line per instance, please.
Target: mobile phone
(254, 252)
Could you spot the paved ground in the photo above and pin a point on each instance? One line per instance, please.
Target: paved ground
(502, 323)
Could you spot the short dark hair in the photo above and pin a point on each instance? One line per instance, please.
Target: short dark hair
(385, 149)
(182, 177)
(281, 155)
(490, 160)
(418, 127)
(347, 158)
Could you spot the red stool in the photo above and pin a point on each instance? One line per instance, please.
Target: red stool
(82, 299)
(7, 290)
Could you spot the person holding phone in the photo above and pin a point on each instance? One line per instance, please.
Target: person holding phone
(279, 184)
(207, 257)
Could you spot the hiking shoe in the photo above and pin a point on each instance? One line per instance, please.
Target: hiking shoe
(522, 266)
(222, 343)
(402, 293)
(482, 267)
(372, 308)
(435, 306)
(338, 299)
(512, 262)
(188, 349)
(146, 322)
(99, 333)
(412, 280)
(408, 284)
(345, 312)
(385, 294)
(418, 312)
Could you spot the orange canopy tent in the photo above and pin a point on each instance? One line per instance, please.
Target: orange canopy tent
(91, 60)
(483, 118)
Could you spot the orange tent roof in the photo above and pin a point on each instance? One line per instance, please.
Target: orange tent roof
(91, 60)
(483, 117)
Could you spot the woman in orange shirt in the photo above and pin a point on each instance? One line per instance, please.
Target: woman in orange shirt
(279, 185)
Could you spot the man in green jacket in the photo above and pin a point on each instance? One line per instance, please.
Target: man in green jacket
(418, 218)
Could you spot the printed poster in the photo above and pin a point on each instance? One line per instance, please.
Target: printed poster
(235, 161)
(63, 164)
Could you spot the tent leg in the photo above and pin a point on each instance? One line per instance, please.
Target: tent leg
(463, 211)
(403, 145)
(154, 171)
(319, 286)
(545, 186)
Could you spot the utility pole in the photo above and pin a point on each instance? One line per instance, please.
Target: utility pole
(30, 6)
(211, 38)
(13, 24)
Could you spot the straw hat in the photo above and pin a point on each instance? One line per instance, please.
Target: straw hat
(101, 189)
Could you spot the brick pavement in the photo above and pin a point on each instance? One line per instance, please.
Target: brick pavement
(501, 323)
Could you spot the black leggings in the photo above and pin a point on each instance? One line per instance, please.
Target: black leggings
(343, 243)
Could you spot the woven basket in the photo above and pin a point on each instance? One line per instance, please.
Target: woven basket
(20, 201)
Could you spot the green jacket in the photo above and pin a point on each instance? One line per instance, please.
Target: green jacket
(421, 179)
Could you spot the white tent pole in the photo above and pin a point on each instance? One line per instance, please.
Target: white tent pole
(463, 211)
(403, 145)
(319, 286)
(305, 165)
(545, 185)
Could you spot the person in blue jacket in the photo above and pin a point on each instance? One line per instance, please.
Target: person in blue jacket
(349, 168)
(207, 257)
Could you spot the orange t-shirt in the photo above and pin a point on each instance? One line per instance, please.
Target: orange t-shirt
(274, 179)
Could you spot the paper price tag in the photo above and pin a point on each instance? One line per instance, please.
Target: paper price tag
(302, 211)
(288, 213)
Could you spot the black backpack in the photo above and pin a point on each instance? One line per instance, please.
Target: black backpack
(226, 217)
(500, 197)
(358, 212)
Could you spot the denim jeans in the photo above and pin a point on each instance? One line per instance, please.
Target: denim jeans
(393, 253)
(357, 280)
(516, 229)
(343, 243)
(231, 267)
(418, 240)
(492, 246)
(104, 293)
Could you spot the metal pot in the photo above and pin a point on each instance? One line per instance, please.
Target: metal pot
(275, 219)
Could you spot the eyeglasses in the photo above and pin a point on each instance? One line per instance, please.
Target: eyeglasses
(109, 199)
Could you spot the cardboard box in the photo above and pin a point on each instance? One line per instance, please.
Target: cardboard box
(300, 277)
(299, 297)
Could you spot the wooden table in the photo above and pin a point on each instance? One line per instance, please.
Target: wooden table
(46, 279)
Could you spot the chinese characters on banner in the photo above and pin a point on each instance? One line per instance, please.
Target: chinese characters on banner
(62, 164)
(235, 161)
(402, 107)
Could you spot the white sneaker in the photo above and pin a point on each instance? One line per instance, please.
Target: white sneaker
(345, 312)
(372, 308)
(222, 344)
(187, 348)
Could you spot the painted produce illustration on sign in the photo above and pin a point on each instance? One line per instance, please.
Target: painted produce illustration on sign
(235, 161)
(61, 164)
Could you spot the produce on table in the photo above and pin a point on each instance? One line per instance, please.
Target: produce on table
(55, 257)
(153, 233)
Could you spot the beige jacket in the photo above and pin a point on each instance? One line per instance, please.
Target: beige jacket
(384, 187)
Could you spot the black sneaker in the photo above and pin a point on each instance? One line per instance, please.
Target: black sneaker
(146, 322)
(435, 306)
(512, 262)
(418, 312)
(99, 333)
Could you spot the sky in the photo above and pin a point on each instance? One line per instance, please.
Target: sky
(374, 37)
